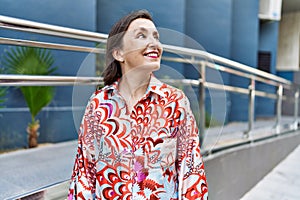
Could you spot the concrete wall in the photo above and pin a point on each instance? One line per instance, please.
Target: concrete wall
(297, 77)
(289, 106)
(288, 47)
(232, 173)
(289, 53)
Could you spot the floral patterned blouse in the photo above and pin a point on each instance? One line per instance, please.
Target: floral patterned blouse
(149, 153)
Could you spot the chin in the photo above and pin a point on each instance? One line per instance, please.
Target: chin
(156, 67)
(151, 67)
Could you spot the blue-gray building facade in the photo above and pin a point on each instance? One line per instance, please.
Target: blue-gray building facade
(227, 28)
(56, 120)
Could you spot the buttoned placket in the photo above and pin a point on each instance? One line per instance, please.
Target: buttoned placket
(134, 123)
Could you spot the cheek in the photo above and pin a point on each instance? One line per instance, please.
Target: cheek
(135, 46)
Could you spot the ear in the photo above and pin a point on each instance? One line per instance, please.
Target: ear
(118, 55)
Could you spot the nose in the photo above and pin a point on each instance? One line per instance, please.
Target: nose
(154, 43)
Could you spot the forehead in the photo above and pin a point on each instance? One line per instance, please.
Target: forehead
(141, 23)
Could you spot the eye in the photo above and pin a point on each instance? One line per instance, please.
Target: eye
(156, 35)
(141, 35)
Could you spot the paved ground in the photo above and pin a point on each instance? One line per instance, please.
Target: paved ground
(282, 183)
(32, 170)
(222, 136)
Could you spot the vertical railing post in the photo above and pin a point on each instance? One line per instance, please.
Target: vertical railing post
(202, 102)
(296, 109)
(251, 107)
(278, 108)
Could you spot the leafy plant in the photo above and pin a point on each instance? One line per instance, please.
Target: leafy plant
(3, 91)
(32, 61)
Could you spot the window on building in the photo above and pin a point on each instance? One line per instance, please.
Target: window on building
(264, 61)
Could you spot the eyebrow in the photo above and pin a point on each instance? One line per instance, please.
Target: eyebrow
(145, 30)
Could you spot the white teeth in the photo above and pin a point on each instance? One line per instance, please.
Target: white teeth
(152, 54)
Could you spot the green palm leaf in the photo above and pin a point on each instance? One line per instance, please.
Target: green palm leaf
(2, 95)
(32, 61)
(3, 91)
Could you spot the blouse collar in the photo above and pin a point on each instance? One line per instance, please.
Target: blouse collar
(155, 86)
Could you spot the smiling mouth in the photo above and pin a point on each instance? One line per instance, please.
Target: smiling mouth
(152, 54)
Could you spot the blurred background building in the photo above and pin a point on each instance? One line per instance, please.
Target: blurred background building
(262, 34)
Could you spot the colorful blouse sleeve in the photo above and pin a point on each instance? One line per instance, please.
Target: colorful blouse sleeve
(192, 178)
(83, 178)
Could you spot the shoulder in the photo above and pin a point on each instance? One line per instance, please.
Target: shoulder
(172, 92)
(103, 92)
(99, 95)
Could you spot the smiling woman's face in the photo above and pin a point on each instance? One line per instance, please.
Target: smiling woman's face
(141, 47)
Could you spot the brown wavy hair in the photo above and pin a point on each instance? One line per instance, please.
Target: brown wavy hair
(112, 71)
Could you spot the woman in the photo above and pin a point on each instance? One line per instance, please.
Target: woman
(138, 138)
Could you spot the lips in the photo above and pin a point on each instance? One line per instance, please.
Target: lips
(152, 54)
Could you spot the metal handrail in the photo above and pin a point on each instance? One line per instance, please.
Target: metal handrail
(36, 27)
(192, 56)
(49, 45)
(224, 61)
(35, 80)
(42, 28)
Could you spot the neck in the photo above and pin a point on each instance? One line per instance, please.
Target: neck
(133, 84)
